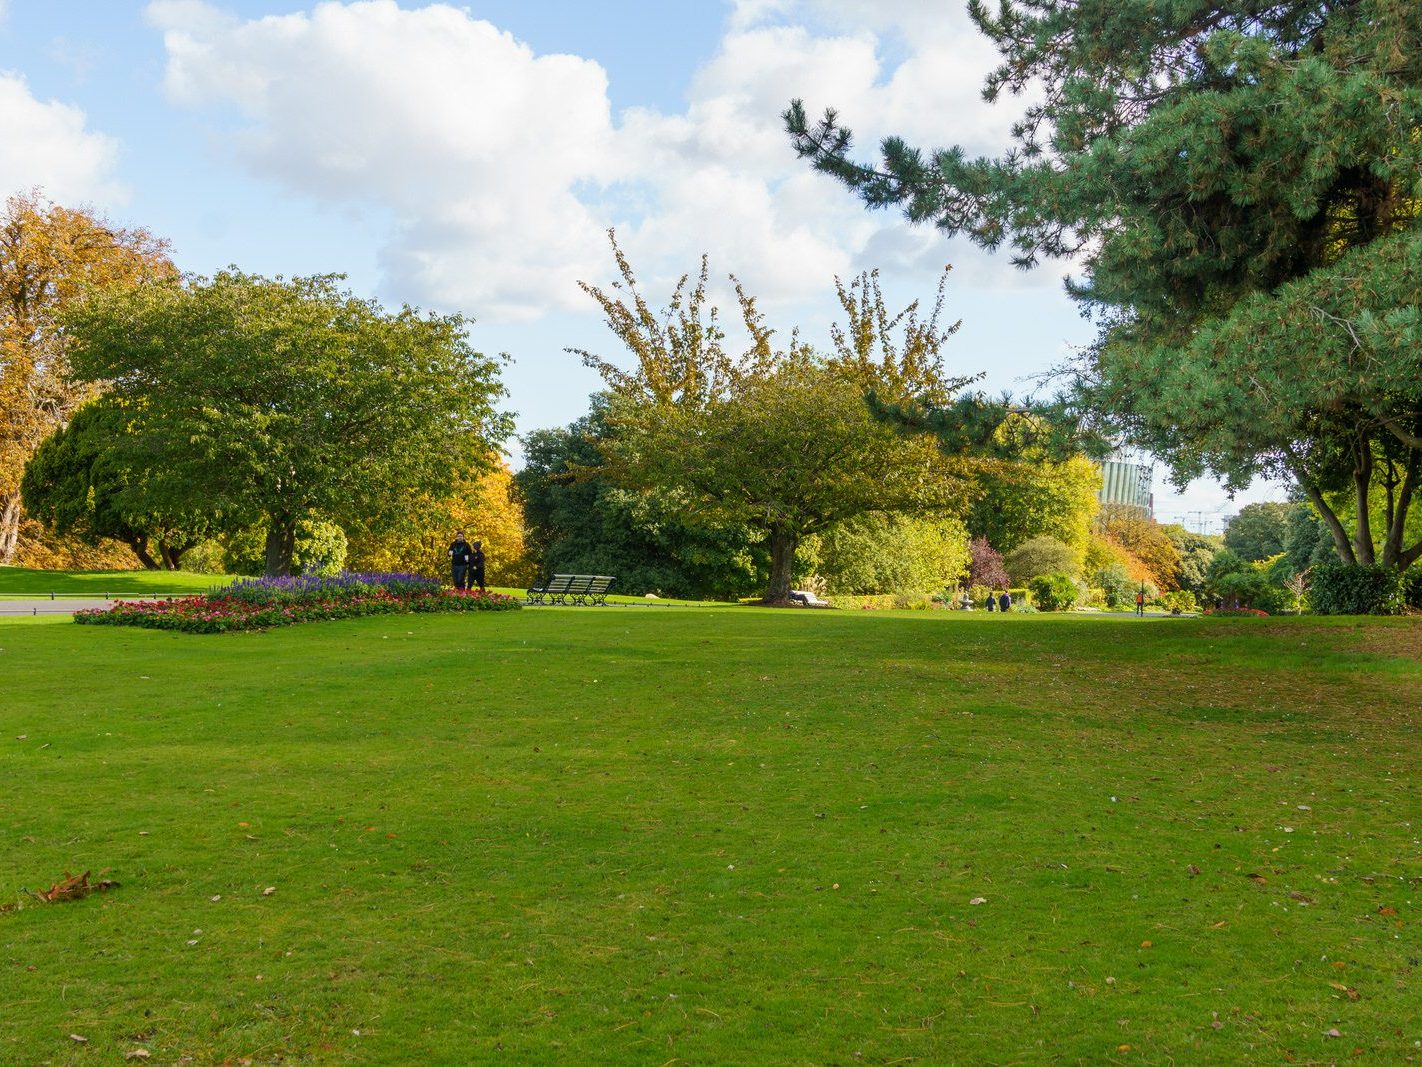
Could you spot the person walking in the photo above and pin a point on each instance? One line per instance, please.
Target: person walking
(476, 566)
(991, 601)
(1140, 603)
(1004, 602)
(461, 557)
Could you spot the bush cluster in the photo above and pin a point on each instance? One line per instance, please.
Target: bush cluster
(1355, 589)
(260, 604)
(1054, 592)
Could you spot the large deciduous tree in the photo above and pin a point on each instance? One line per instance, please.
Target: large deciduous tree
(1240, 182)
(778, 440)
(270, 401)
(81, 483)
(49, 256)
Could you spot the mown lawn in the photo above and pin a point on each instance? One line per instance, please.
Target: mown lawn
(721, 836)
(22, 581)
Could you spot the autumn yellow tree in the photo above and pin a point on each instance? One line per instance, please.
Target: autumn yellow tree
(50, 256)
(484, 506)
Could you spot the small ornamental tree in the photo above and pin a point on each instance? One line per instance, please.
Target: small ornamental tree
(268, 400)
(985, 566)
(1042, 555)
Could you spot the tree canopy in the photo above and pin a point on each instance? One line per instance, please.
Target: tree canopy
(1259, 530)
(50, 256)
(80, 482)
(1240, 185)
(271, 401)
(779, 440)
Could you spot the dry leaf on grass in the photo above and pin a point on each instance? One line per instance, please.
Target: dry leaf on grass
(73, 887)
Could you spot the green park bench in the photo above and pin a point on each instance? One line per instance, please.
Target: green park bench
(574, 589)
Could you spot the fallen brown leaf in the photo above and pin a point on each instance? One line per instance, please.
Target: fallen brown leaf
(73, 887)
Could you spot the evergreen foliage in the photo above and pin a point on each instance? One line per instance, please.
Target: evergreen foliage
(1241, 182)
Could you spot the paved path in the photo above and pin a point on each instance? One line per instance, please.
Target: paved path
(66, 605)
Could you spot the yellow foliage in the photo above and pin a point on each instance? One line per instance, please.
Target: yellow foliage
(49, 257)
(482, 505)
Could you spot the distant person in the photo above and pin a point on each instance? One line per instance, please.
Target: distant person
(476, 566)
(991, 601)
(461, 557)
(1004, 602)
(1140, 603)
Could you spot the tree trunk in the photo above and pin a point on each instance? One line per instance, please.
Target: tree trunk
(139, 545)
(172, 556)
(1341, 544)
(281, 540)
(782, 566)
(1394, 552)
(1362, 483)
(9, 526)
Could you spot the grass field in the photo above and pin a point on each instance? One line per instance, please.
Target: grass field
(21, 581)
(720, 836)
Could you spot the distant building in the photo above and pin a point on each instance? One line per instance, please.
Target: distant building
(1126, 482)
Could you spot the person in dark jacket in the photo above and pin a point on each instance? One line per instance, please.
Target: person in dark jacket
(476, 566)
(461, 558)
(1004, 602)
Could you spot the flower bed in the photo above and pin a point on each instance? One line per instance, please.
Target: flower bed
(260, 603)
(1237, 613)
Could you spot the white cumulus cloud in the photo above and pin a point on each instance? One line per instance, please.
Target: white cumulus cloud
(48, 144)
(500, 167)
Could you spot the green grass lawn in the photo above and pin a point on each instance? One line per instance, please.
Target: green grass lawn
(22, 581)
(715, 836)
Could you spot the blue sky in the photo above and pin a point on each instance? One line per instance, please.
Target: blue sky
(470, 157)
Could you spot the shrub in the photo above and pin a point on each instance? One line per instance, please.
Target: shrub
(1042, 555)
(1115, 584)
(1180, 600)
(1053, 592)
(1412, 588)
(1355, 589)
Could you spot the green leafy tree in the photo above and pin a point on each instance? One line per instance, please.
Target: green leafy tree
(80, 483)
(1241, 183)
(580, 521)
(318, 548)
(892, 553)
(780, 441)
(1195, 552)
(1259, 530)
(1035, 495)
(1307, 541)
(1116, 585)
(267, 401)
